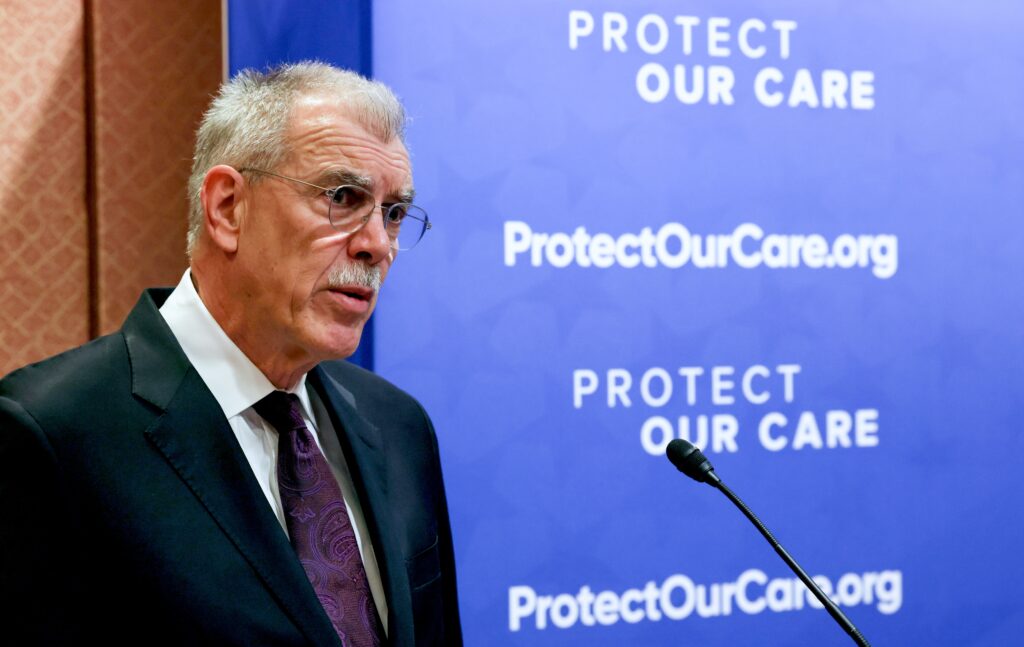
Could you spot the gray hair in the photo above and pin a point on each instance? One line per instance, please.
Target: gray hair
(247, 121)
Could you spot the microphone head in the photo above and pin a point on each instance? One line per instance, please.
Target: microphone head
(691, 461)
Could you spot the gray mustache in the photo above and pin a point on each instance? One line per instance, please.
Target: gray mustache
(367, 276)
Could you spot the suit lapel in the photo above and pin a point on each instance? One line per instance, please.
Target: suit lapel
(196, 440)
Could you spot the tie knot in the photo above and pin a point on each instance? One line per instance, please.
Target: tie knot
(282, 410)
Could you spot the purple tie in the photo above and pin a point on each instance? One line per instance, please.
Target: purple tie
(318, 525)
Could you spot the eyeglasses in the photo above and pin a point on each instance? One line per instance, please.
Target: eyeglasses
(350, 207)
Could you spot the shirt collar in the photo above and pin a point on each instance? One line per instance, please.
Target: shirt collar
(236, 383)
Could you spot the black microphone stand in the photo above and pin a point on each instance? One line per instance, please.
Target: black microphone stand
(692, 462)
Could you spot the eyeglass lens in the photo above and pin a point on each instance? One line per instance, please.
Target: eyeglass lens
(352, 206)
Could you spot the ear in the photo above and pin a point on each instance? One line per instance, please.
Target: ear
(223, 207)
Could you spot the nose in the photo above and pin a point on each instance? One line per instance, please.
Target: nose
(370, 243)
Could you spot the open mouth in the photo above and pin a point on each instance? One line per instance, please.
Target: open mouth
(354, 292)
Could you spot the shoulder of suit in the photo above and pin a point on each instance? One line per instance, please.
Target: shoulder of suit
(88, 372)
(368, 386)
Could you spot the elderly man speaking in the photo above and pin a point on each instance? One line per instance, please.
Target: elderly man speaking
(207, 474)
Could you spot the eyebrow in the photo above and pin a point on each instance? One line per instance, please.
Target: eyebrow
(338, 177)
(407, 195)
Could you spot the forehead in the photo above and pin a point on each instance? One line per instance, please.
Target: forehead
(325, 139)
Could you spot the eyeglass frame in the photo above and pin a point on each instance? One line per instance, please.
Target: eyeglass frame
(330, 192)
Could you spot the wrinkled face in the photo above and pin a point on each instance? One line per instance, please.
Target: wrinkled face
(305, 297)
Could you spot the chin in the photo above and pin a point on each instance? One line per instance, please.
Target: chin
(339, 344)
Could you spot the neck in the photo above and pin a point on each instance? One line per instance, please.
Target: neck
(283, 367)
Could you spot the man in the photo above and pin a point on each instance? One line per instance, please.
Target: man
(207, 475)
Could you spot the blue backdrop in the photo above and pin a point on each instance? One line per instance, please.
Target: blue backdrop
(787, 230)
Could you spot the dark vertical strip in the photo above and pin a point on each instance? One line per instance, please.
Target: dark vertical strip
(366, 352)
(366, 39)
(91, 197)
(264, 33)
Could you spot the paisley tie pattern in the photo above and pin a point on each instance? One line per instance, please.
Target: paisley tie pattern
(319, 527)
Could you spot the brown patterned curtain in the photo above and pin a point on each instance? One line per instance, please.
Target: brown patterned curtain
(100, 100)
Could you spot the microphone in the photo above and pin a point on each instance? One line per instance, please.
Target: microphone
(691, 461)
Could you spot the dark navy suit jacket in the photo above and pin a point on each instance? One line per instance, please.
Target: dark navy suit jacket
(130, 515)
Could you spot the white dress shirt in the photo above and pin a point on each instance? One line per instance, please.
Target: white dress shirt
(237, 385)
